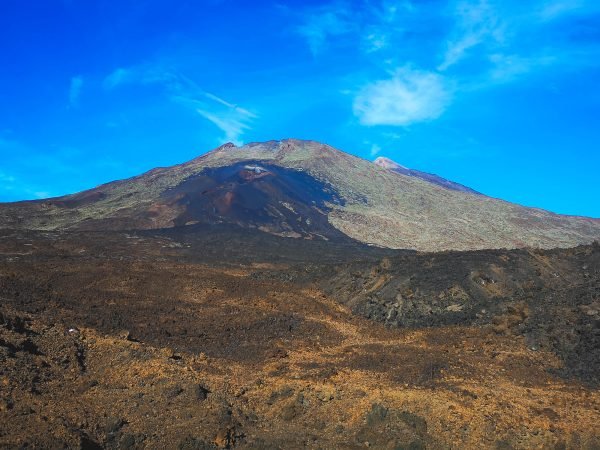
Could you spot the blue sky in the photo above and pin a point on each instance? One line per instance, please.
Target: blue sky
(500, 95)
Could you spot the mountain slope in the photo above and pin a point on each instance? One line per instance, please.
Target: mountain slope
(387, 163)
(277, 185)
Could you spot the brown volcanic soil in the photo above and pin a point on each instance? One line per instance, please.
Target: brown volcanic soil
(179, 341)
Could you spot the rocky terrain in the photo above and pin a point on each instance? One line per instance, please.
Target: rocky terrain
(305, 189)
(170, 339)
(256, 298)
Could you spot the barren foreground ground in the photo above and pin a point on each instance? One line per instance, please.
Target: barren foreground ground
(180, 341)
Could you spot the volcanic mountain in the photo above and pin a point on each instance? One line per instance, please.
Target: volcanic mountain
(304, 189)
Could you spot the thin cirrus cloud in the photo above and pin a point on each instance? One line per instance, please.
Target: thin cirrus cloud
(506, 68)
(230, 118)
(478, 44)
(557, 8)
(232, 125)
(407, 97)
(75, 91)
(118, 77)
(320, 25)
(375, 150)
(476, 23)
(527, 36)
(7, 181)
(11, 186)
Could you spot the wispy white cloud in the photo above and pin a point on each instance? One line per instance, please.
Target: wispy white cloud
(484, 29)
(376, 40)
(408, 97)
(232, 126)
(118, 77)
(392, 136)
(6, 179)
(367, 22)
(507, 68)
(242, 111)
(477, 23)
(75, 91)
(325, 22)
(232, 119)
(487, 43)
(375, 150)
(553, 9)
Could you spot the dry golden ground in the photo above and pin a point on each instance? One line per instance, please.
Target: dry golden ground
(166, 352)
(332, 380)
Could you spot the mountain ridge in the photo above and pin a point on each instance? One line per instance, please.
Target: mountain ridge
(374, 205)
(387, 163)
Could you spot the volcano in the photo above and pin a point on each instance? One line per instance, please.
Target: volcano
(305, 189)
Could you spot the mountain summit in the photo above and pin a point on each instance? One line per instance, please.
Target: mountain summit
(305, 189)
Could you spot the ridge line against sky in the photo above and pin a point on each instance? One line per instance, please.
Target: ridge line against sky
(497, 95)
